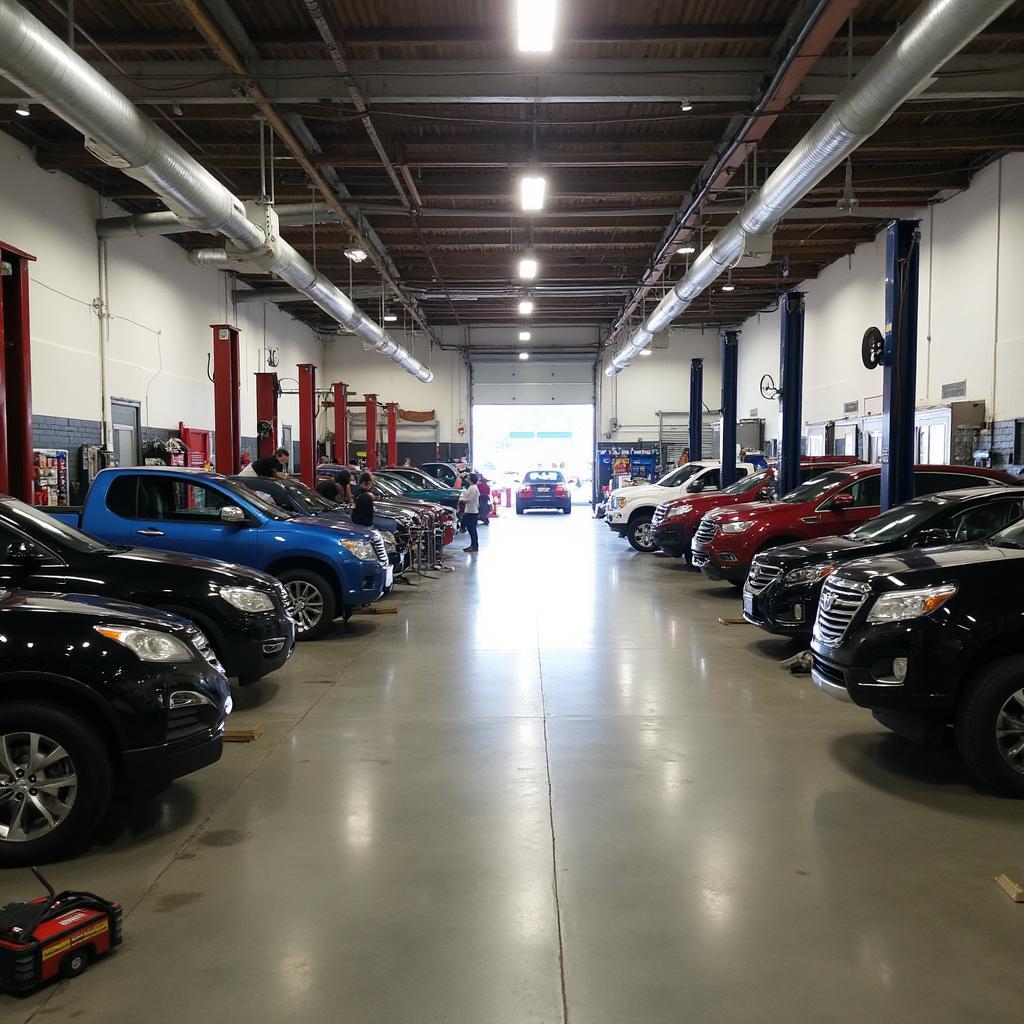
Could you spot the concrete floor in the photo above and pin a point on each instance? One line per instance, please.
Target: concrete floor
(554, 788)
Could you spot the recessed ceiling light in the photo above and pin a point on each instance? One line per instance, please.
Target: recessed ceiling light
(528, 267)
(22, 110)
(531, 191)
(524, 335)
(686, 250)
(536, 24)
(728, 287)
(356, 255)
(526, 307)
(524, 355)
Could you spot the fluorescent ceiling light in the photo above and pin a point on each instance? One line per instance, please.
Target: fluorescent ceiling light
(524, 335)
(728, 287)
(686, 250)
(524, 355)
(356, 255)
(390, 318)
(528, 267)
(645, 352)
(531, 191)
(22, 110)
(536, 24)
(685, 105)
(526, 307)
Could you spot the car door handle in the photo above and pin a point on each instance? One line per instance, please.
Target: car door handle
(149, 533)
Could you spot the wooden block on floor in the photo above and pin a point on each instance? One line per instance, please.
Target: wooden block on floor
(374, 610)
(243, 735)
(732, 622)
(1012, 889)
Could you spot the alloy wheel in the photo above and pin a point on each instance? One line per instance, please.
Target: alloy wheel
(308, 603)
(643, 535)
(1010, 731)
(38, 785)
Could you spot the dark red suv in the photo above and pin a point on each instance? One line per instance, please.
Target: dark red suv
(832, 503)
(675, 521)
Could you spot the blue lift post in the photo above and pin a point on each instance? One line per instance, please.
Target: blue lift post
(791, 371)
(696, 409)
(730, 366)
(899, 388)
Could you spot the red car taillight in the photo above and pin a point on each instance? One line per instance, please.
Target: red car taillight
(559, 491)
(526, 492)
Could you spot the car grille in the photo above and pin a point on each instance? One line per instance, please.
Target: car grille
(840, 602)
(828, 671)
(286, 599)
(660, 513)
(202, 644)
(705, 532)
(762, 576)
(184, 722)
(380, 550)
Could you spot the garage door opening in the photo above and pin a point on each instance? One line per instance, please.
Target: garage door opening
(510, 440)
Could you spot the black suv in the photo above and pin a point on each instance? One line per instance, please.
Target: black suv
(95, 695)
(245, 613)
(931, 638)
(781, 593)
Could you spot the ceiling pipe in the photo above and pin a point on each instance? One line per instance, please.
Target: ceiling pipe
(934, 33)
(51, 73)
(163, 222)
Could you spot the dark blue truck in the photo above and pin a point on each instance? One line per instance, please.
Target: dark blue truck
(328, 568)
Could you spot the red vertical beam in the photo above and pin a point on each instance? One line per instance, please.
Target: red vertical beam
(371, 431)
(16, 380)
(307, 423)
(392, 408)
(226, 399)
(266, 409)
(4, 486)
(341, 424)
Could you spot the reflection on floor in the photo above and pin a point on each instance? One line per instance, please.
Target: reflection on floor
(553, 785)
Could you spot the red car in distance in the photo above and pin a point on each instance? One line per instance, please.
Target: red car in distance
(676, 521)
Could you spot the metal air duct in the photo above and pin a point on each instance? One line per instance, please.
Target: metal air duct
(47, 70)
(937, 30)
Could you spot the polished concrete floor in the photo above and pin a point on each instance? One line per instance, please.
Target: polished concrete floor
(553, 788)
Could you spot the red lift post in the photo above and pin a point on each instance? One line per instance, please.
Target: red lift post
(226, 400)
(15, 375)
(341, 424)
(307, 423)
(371, 431)
(392, 408)
(266, 412)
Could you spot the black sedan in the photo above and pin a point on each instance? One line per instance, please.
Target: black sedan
(543, 488)
(782, 590)
(95, 696)
(243, 612)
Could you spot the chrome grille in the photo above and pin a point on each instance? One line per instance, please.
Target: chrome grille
(840, 602)
(706, 531)
(762, 576)
(659, 514)
(202, 644)
(380, 550)
(285, 598)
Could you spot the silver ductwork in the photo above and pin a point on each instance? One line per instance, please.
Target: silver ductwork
(937, 30)
(52, 74)
(164, 222)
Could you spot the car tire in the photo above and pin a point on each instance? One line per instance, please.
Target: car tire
(567, 510)
(996, 691)
(638, 533)
(87, 761)
(519, 509)
(314, 602)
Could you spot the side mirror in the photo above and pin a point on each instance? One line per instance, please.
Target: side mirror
(766, 494)
(23, 551)
(842, 500)
(232, 514)
(934, 538)
(696, 487)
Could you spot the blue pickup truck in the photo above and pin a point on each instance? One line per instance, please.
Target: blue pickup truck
(328, 568)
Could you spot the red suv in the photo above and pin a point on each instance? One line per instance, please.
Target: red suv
(675, 521)
(832, 503)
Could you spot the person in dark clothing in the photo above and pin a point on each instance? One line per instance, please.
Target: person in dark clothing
(329, 489)
(362, 514)
(470, 502)
(275, 465)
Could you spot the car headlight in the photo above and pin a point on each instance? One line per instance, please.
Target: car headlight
(246, 600)
(361, 549)
(911, 604)
(620, 502)
(811, 574)
(740, 527)
(148, 644)
(389, 541)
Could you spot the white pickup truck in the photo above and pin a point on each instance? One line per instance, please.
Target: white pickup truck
(629, 509)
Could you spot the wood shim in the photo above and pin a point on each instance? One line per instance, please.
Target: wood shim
(373, 610)
(1012, 889)
(243, 735)
(732, 622)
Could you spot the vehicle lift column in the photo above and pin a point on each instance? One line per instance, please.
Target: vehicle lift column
(696, 403)
(15, 375)
(267, 390)
(341, 424)
(226, 400)
(307, 423)
(899, 360)
(730, 366)
(371, 431)
(791, 384)
(392, 408)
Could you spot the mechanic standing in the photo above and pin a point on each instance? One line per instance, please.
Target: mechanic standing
(362, 513)
(470, 502)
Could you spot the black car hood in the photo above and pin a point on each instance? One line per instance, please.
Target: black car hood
(954, 560)
(84, 606)
(825, 549)
(223, 573)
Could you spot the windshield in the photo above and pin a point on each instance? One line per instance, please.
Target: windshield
(543, 476)
(268, 508)
(387, 486)
(681, 475)
(816, 487)
(749, 483)
(308, 500)
(52, 532)
(897, 522)
(401, 485)
(1011, 537)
